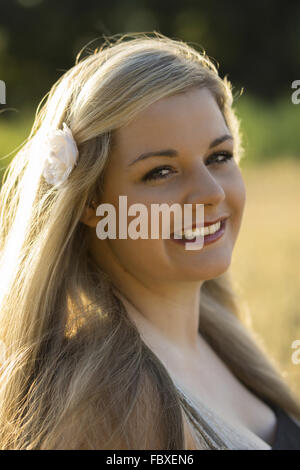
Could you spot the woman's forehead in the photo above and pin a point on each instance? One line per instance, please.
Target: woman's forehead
(180, 120)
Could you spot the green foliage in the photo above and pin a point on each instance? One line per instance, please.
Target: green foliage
(13, 132)
(270, 131)
(257, 43)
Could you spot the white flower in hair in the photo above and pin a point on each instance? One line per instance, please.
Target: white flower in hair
(60, 155)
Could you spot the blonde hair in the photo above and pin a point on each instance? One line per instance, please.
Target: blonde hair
(77, 373)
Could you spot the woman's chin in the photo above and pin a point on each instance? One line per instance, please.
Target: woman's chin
(208, 268)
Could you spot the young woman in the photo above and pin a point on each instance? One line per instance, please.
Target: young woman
(124, 343)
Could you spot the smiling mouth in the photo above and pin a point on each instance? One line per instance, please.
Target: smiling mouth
(210, 233)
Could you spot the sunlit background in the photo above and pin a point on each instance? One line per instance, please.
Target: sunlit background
(257, 45)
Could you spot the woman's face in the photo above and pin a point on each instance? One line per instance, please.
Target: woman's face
(187, 123)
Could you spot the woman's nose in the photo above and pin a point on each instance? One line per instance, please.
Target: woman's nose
(203, 187)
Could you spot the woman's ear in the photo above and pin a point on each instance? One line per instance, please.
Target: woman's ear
(89, 215)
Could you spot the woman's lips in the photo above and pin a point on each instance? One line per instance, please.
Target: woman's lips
(207, 239)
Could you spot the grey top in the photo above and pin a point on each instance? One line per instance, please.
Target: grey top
(225, 435)
(217, 433)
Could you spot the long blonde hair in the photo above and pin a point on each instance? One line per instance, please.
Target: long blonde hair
(76, 373)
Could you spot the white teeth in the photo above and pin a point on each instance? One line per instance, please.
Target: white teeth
(189, 234)
(200, 231)
(214, 228)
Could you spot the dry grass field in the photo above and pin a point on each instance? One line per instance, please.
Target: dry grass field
(266, 260)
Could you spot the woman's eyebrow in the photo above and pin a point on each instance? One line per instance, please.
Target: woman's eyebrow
(174, 153)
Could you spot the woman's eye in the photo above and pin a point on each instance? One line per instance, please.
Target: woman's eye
(164, 171)
(157, 173)
(225, 157)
